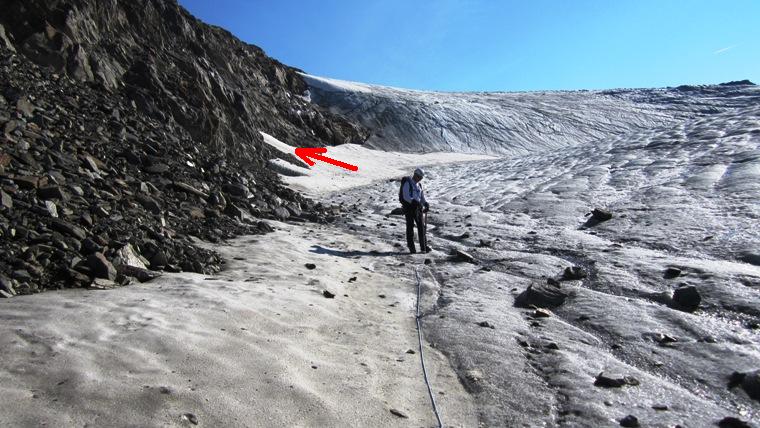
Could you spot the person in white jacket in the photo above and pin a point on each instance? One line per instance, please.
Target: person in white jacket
(415, 206)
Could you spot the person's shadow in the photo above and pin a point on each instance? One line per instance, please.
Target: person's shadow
(318, 249)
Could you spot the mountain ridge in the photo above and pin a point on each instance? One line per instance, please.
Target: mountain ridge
(512, 123)
(173, 66)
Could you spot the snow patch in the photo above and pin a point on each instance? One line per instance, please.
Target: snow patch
(373, 165)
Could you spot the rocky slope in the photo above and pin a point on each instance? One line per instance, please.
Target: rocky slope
(129, 127)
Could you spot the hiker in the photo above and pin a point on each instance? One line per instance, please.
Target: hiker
(415, 207)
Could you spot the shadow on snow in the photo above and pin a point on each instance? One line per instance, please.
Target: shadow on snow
(318, 249)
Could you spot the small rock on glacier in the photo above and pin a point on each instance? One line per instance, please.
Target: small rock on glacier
(461, 256)
(671, 273)
(603, 381)
(600, 214)
(399, 413)
(732, 422)
(749, 381)
(574, 273)
(687, 298)
(629, 421)
(486, 324)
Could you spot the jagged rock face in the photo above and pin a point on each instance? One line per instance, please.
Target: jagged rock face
(175, 67)
(131, 125)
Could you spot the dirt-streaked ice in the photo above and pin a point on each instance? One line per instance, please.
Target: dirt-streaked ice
(678, 168)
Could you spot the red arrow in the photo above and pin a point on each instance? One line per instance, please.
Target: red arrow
(313, 152)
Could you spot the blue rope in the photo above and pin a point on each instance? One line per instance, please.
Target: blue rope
(422, 356)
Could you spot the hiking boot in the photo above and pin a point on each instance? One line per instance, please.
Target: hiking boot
(412, 251)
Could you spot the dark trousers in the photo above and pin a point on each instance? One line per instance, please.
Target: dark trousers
(413, 214)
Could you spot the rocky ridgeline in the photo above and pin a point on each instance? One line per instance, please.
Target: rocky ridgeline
(110, 166)
(175, 67)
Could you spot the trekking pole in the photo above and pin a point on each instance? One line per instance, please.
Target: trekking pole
(424, 225)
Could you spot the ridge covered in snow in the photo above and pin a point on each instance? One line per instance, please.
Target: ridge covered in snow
(516, 122)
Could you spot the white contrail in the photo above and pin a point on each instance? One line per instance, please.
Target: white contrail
(720, 51)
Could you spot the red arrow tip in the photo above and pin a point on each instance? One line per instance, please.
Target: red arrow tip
(305, 153)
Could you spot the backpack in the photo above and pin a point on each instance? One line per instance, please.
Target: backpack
(401, 190)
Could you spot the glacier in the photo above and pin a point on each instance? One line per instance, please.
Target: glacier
(515, 122)
(678, 168)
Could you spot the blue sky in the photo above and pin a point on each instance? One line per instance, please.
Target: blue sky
(478, 45)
